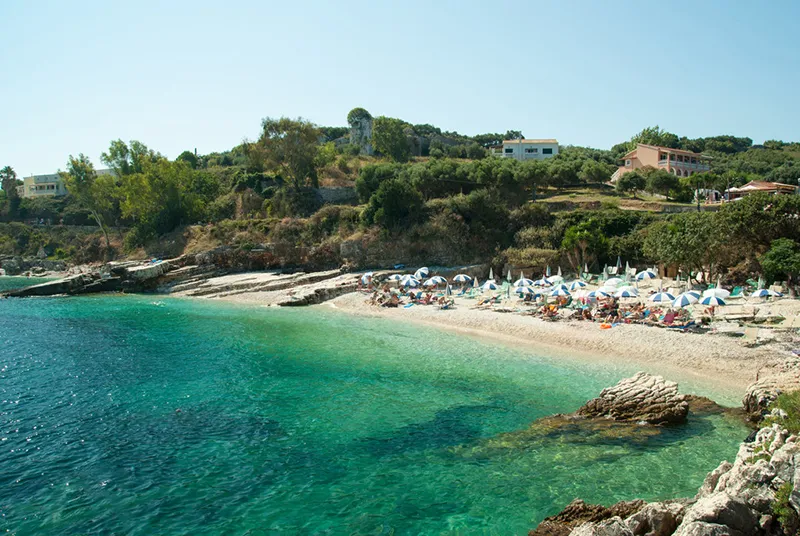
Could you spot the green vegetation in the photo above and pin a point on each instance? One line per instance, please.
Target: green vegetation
(431, 195)
(790, 403)
(783, 510)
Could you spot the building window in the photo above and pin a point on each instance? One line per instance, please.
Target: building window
(627, 163)
(531, 150)
(509, 150)
(547, 151)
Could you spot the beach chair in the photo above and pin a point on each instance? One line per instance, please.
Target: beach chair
(737, 292)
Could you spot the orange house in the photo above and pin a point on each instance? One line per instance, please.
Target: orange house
(676, 161)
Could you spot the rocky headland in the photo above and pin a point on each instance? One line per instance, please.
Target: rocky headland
(757, 494)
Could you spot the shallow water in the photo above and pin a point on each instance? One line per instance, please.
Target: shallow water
(142, 415)
(14, 281)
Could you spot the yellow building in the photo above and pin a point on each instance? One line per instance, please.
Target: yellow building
(43, 186)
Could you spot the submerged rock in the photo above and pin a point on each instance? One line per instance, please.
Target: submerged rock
(641, 398)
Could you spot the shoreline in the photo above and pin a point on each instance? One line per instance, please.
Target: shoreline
(709, 362)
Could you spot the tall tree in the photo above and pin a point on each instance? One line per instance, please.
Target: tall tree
(289, 148)
(80, 180)
(631, 182)
(126, 159)
(8, 181)
(389, 138)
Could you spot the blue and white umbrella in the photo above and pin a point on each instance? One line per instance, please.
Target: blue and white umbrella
(555, 279)
(712, 300)
(686, 299)
(626, 292)
(562, 286)
(395, 277)
(422, 272)
(613, 282)
(560, 292)
(435, 280)
(661, 297)
(526, 290)
(599, 293)
(717, 293)
(575, 285)
(489, 285)
(411, 282)
(542, 282)
(524, 282)
(366, 278)
(462, 278)
(693, 293)
(644, 275)
(765, 293)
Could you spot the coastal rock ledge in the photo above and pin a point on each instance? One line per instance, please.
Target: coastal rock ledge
(640, 398)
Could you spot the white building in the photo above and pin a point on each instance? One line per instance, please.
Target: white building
(51, 185)
(527, 149)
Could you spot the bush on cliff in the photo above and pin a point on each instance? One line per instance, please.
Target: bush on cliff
(790, 403)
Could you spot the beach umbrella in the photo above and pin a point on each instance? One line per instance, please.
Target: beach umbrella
(547, 271)
(765, 293)
(661, 297)
(422, 272)
(562, 286)
(692, 293)
(475, 283)
(525, 290)
(395, 277)
(627, 292)
(712, 300)
(575, 285)
(366, 278)
(559, 271)
(448, 291)
(717, 293)
(619, 262)
(585, 268)
(406, 277)
(462, 278)
(627, 267)
(491, 275)
(644, 275)
(560, 292)
(523, 282)
(410, 282)
(542, 282)
(613, 282)
(599, 293)
(489, 285)
(555, 279)
(684, 300)
(435, 280)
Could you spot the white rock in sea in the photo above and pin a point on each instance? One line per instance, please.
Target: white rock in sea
(610, 527)
(642, 397)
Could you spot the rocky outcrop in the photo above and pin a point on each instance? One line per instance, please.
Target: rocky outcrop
(15, 265)
(775, 378)
(757, 494)
(578, 513)
(641, 398)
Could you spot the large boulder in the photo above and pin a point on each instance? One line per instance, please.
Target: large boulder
(719, 509)
(641, 398)
(578, 513)
(656, 519)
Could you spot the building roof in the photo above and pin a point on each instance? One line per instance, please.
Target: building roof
(549, 140)
(666, 150)
(764, 186)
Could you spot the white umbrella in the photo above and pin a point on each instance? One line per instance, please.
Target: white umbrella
(712, 300)
(489, 285)
(560, 292)
(547, 271)
(491, 276)
(366, 278)
(717, 293)
(692, 293)
(559, 271)
(684, 300)
(555, 279)
(435, 280)
(575, 285)
(475, 283)
(525, 290)
(411, 282)
(395, 277)
(542, 282)
(523, 282)
(645, 274)
(448, 291)
(562, 286)
(462, 278)
(613, 282)
(627, 293)
(599, 293)
(585, 268)
(660, 297)
(508, 276)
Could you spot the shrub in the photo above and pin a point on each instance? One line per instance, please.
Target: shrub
(222, 208)
(790, 403)
(288, 201)
(783, 510)
(394, 205)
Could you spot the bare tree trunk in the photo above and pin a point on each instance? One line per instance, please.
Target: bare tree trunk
(102, 228)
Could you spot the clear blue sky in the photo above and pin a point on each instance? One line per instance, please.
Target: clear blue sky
(183, 74)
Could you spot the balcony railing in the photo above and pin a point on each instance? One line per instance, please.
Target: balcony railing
(684, 165)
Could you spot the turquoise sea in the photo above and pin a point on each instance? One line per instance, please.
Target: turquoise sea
(145, 415)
